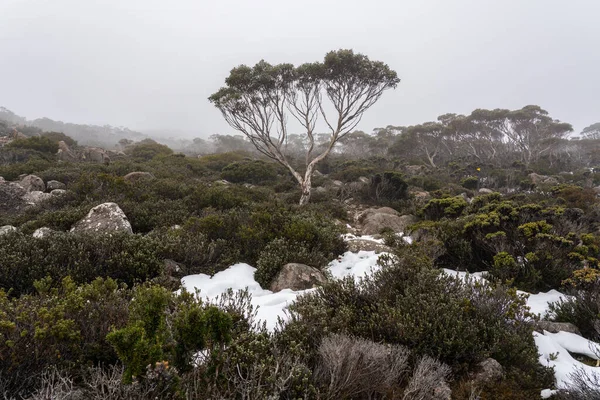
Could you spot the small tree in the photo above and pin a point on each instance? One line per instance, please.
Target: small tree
(258, 101)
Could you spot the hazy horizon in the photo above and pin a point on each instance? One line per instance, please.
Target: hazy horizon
(149, 65)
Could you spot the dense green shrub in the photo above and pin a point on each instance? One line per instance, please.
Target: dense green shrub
(125, 258)
(448, 207)
(470, 182)
(216, 162)
(43, 144)
(410, 303)
(255, 172)
(164, 326)
(60, 137)
(60, 325)
(147, 150)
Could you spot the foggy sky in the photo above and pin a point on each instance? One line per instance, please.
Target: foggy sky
(149, 64)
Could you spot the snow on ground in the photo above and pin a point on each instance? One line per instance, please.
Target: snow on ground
(538, 303)
(348, 237)
(554, 352)
(354, 264)
(477, 276)
(271, 305)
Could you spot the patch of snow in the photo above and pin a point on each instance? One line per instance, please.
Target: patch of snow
(354, 264)
(349, 237)
(576, 344)
(554, 354)
(270, 306)
(477, 276)
(538, 303)
(547, 393)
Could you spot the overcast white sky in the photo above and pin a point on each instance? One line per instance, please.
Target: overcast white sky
(152, 63)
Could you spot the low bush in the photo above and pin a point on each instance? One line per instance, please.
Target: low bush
(60, 325)
(43, 144)
(255, 172)
(125, 258)
(447, 207)
(409, 303)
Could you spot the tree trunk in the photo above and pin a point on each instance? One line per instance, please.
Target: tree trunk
(305, 197)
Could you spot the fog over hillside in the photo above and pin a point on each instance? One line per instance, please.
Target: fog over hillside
(150, 64)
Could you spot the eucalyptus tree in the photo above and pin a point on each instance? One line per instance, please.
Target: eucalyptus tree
(529, 131)
(260, 101)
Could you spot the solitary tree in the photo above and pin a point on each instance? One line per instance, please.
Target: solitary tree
(259, 101)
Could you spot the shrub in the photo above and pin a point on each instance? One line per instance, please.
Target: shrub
(389, 186)
(283, 251)
(62, 326)
(216, 162)
(167, 327)
(147, 150)
(358, 368)
(255, 172)
(409, 303)
(42, 144)
(125, 258)
(58, 137)
(448, 207)
(470, 182)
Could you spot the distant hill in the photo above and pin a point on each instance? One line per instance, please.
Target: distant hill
(91, 135)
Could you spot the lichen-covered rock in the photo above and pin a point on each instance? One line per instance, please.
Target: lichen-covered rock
(41, 233)
(11, 197)
(489, 370)
(65, 153)
(7, 229)
(96, 155)
(52, 185)
(382, 210)
(376, 220)
(58, 192)
(104, 218)
(555, 327)
(357, 245)
(297, 277)
(137, 176)
(537, 179)
(32, 183)
(36, 197)
(485, 191)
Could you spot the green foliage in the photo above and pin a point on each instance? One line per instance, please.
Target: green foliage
(409, 303)
(58, 137)
(505, 267)
(470, 182)
(167, 327)
(147, 150)
(216, 162)
(244, 234)
(255, 172)
(62, 325)
(125, 258)
(448, 207)
(389, 186)
(43, 144)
